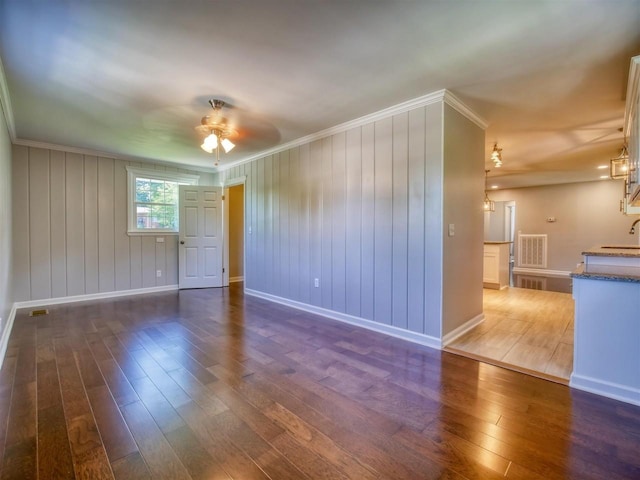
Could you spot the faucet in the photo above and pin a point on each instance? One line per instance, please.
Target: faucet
(633, 227)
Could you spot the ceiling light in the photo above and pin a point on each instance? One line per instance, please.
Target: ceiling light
(496, 155)
(602, 167)
(619, 166)
(216, 128)
(488, 205)
(604, 176)
(227, 145)
(494, 186)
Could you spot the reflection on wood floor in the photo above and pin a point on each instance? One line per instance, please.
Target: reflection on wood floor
(210, 384)
(530, 330)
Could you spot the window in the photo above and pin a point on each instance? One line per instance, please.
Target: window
(153, 200)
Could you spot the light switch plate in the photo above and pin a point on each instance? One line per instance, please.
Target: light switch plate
(452, 229)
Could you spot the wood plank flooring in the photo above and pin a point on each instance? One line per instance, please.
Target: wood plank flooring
(528, 330)
(210, 384)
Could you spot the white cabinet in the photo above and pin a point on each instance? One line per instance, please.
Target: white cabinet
(496, 265)
(632, 134)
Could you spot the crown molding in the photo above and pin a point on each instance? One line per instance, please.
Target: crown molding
(457, 104)
(429, 99)
(633, 85)
(5, 104)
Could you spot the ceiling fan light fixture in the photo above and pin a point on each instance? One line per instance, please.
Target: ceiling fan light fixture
(217, 130)
(211, 142)
(496, 155)
(227, 144)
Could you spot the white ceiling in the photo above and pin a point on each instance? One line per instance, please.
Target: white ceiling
(132, 77)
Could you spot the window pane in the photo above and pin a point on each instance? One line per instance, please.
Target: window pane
(142, 189)
(142, 216)
(156, 203)
(156, 194)
(171, 192)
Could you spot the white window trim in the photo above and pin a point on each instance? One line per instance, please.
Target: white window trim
(132, 174)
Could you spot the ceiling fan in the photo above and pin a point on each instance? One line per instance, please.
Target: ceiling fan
(216, 130)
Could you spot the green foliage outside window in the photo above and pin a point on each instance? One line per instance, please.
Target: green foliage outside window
(156, 204)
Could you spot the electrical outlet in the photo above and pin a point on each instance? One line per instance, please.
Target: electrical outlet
(316, 282)
(158, 273)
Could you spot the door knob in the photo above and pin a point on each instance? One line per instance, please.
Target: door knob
(181, 242)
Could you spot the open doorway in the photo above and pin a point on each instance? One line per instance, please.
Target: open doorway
(526, 327)
(235, 233)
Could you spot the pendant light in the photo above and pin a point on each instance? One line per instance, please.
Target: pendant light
(488, 205)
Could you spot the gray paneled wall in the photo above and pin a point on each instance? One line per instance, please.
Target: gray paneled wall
(362, 212)
(70, 228)
(6, 276)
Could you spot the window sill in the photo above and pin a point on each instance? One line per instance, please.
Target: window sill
(155, 233)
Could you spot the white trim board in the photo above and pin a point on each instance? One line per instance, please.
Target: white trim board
(4, 341)
(462, 329)
(93, 296)
(419, 338)
(439, 96)
(622, 393)
(5, 104)
(541, 272)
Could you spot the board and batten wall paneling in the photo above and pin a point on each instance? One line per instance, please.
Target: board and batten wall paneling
(362, 212)
(20, 227)
(58, 227)
(6, 226)
(434, 225)
(39, 224)
(70, 228)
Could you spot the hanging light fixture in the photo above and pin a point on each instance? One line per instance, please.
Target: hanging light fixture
(488, 205)
(496, 155)
(216, 129)
(619, 166)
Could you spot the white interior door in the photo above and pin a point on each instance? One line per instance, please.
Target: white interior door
(200, 241)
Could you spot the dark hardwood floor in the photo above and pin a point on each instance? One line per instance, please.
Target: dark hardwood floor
(209, 384)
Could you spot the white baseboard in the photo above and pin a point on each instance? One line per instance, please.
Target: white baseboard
(4, 340)
(616, 391)
(462, 329)
(93, 296)
(541, 272)
(414, 337)
(236, 279)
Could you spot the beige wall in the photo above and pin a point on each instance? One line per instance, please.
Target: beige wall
(236, 231)
(6, 294)
(70, 224)
(463, 193)
(587, 214)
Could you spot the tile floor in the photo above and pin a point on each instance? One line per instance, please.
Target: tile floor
(529, 330)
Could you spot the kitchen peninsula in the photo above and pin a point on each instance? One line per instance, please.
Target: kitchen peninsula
(606, 290)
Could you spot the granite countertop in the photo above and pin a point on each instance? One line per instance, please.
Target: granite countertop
(605, 275)
(632, 251)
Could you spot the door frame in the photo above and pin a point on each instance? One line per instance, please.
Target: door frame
(226, 183)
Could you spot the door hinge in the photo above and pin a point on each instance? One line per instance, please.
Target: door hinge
(223, 270)
(222, 197)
